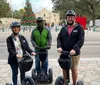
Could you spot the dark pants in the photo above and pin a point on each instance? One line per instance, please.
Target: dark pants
(37, 63)
(15, 74)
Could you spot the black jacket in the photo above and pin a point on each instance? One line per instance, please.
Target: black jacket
(73, 41)
(11, 48)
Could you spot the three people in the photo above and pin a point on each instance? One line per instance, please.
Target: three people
(41, 38)
(71, 38)
(17, 46)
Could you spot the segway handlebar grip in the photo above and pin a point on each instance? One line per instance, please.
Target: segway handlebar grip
(65, 52)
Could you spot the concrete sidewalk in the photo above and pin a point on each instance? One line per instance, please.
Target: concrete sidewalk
(89, 71)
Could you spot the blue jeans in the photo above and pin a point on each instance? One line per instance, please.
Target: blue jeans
(14, 73)
(37, 63)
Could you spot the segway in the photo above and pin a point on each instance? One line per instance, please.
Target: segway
(25, 65)
(65, 63)
(44, 78)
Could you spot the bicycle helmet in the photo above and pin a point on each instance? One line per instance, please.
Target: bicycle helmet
(70, 13)
(15, 24)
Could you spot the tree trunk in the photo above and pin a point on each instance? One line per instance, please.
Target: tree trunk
(93, 21)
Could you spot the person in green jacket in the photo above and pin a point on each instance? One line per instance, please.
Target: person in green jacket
(41, 40)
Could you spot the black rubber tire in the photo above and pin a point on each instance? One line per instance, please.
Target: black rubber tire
(8, 84)
(59, 80)
(34, 76)
(50, 72)
(29, 80)
(80, 82)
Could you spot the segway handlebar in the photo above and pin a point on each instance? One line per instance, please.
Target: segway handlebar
(41, 52)
(23, 57)
(27, 54)
(65, 52)
(44, 48)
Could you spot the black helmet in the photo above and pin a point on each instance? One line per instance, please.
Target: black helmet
(15, 24)
(70, 13)
(39, 19)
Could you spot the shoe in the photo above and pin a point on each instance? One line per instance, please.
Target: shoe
(13, 84)
(22, 82)
(45, 76)
(38, 76)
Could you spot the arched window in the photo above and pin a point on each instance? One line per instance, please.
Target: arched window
(44, 15)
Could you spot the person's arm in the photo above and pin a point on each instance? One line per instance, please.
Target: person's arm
(80, 41)
(28, 49)
(59, 44)
(49, 39)
(33, 40)
(10, 48)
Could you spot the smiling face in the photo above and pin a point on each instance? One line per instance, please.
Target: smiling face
(15, 30)
(70, 19)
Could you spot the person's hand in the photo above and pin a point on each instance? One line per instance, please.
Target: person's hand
(59, 50)
(19, 56)
(48, 47)
(72, 52)
(33, 53)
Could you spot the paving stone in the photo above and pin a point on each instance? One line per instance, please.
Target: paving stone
(89, 72)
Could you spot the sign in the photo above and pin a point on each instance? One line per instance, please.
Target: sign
(82, 21)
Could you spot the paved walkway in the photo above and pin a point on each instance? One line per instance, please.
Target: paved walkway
(89, 71)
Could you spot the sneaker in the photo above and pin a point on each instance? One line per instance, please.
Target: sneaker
(23, 82)
(38, 76)
(46, 76)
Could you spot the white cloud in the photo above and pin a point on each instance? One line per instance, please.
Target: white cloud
(37, 5)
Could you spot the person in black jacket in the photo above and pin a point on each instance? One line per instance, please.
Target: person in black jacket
(17, 46)
(71, 38)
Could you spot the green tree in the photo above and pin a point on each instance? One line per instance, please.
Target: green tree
(88, 8)
(4, 8)
(9, 14)
(21, 12)
(28, 18)
(62, 6)
(18, 13)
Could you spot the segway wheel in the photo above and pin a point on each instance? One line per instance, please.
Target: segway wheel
(80, 82)
(8, 84)
(50, 76)
(29, 81)
(59, 81)
(34, 76)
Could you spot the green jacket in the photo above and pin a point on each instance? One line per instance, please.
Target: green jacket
(41, 39)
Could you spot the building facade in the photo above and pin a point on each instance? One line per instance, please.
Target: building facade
(49, 17)
(7, 21)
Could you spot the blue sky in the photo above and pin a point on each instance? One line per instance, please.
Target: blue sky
(37, 5)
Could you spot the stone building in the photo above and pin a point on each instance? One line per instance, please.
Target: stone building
(7, 21)
(48, 16)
